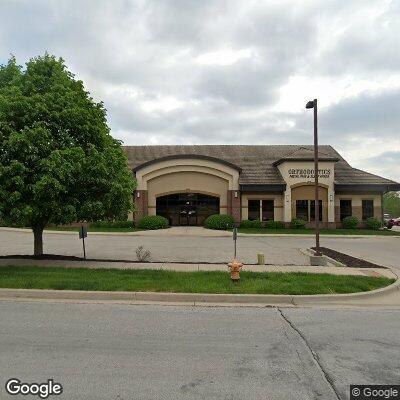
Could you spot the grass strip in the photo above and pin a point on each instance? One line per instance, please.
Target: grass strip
(90, 229)
(61, 278)
(365, 232)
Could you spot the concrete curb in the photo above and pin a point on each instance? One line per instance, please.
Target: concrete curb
(193, 298)
(311, 252)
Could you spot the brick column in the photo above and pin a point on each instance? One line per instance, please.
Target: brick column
(357, 211)
(234, 205)
(287, 206)
(140, 202)
(338, 223)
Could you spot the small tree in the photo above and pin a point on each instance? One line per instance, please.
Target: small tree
(391, 203)
(58, 161)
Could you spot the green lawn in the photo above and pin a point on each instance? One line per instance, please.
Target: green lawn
(183, 282)
(289, 231)
(90, 229)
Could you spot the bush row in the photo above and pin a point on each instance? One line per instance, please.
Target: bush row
(223, 222)
(258, 224)
(298, 223)
(146, 223)
(352, 223)
(151, 222)
(112, 224)
(219, 221)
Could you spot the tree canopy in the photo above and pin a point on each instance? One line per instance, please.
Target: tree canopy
(58, 161)
(391, 203)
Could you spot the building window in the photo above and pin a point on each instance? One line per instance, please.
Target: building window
(312, 210)
(254, 210)
(367, 209)
(305, 209)
(267, 210)
(302, 209)
(345, 209)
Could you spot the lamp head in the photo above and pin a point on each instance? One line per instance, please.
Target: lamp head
(310, 104)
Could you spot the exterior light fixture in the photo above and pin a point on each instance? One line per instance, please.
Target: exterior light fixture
(137, 194)
(236, 195)
(310, 104)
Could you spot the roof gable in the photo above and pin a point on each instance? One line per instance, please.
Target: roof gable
(255, 161)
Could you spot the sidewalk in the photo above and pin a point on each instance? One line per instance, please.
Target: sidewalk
(193, 231)
(182, 267)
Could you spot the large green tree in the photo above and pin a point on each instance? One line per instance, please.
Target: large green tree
(58, 161)
(391, 203)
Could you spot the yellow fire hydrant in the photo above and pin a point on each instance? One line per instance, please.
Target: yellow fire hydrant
(235, 267)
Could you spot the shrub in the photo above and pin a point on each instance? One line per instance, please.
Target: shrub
(350, 222)
(373, 223)
(250, 224)
(153, 222)
(274, 225)
(297, 223)
(219, 221)
(112, 224)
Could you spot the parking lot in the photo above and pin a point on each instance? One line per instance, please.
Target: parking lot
(202, 249)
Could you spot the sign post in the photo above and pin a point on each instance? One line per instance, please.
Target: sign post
(82, 235)
(234, 241)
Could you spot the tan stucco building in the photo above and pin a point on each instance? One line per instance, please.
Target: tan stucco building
(187, 183)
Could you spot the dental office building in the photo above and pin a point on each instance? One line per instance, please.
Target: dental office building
(186, 184)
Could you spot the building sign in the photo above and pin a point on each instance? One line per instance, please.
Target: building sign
(308, 173)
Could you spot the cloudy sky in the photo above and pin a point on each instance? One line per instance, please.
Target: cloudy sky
(214, 71)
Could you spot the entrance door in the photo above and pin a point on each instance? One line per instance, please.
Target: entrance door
(187, 208)
(188, 215)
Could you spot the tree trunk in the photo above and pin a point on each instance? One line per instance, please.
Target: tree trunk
(37, 240)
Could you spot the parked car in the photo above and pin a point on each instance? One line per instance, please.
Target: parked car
(386, 218)
(393, 222)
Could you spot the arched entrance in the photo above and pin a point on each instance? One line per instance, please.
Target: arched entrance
(187, 208)
(303, 205)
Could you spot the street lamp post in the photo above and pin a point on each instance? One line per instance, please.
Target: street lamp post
(313, 104)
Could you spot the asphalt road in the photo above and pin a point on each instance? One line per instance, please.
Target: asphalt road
(278, 250)
(119, 351)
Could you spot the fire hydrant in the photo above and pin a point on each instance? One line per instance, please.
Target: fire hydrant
(235, 267)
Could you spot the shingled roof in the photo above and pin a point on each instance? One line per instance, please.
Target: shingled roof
(257, 162)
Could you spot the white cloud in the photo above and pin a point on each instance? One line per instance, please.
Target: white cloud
(223, 56)
(189, 71)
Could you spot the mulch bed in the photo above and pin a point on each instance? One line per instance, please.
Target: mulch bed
(349, 261)
(43, 257)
